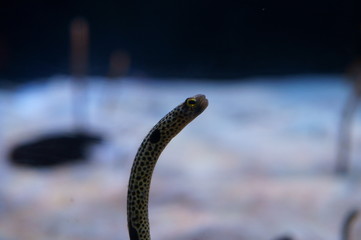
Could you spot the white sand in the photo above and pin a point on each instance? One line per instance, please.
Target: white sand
(256, 164)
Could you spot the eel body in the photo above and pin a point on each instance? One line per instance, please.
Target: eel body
(146, 158)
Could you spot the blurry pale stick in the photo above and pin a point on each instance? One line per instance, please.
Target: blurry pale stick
(79, 42)
(344, 137)
(79, 54)
(119, 64)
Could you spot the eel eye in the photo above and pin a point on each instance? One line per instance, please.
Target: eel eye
(191, 102)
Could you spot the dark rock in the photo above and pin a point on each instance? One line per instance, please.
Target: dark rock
(53, 150)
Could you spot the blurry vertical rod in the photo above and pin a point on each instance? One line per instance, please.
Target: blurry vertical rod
(79, 55)
(344, 135)
(119, 64)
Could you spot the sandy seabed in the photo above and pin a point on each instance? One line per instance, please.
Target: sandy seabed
(257, 164)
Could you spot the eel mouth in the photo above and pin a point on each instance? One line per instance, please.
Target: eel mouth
(203, 102)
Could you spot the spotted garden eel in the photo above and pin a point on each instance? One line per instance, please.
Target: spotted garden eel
(146, 158)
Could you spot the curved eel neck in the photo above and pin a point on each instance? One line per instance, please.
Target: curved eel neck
(145, 160)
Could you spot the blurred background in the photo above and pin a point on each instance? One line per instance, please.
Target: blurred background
(184, 38)
(275, 154)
